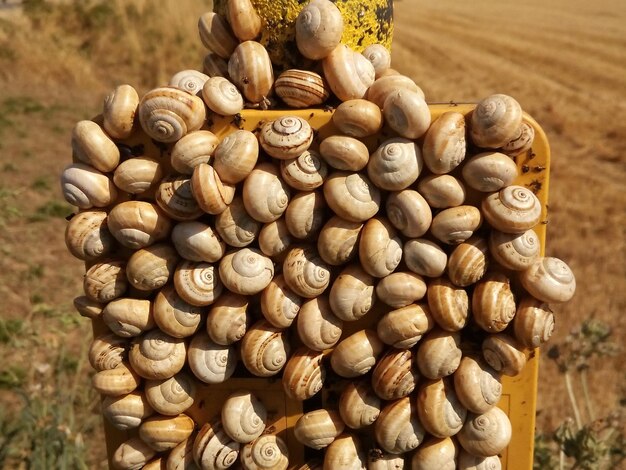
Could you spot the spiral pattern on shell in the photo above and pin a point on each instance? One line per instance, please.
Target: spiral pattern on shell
(197, 283)
(395, 165)
(171, 396)
(304, 374)
(210, 362)
(359, 406)
(107, 351)
(398, 429)
(243, 416)
(549, 279)
(439, 408)
(173, 315)
(213, 448)
(267, 452)
(305, 172)
(87, 235)
(105, 281)
(496, 121)
(222, 96)
(305, 272)
(514, 251)
(486, 434)
(264, 349)
(286, 137)
(351, 196)
(246, 271)
(156, 355)
(190, 81)
(513, 209)
(265, 195)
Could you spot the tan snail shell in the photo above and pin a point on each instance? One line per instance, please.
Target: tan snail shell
(378, 92)
(504, 354)
(166, 114)
(132, 454)
(267, 452)
(407, 113)
(398, 429)
(352, 196)
(344, 453)
(156, 355)
(425, 257)
(533, 323)
(409, 212)
(489, 171)
(395, 164)
(439, 354)
(105, 281)
(318, 29)
(317, 429)
(196, 241)
(468, 461)
(190, 81)
(243, 19)
(250, 68)
(405, 326)
(279, 304)
(137, 175)
(337, 241)
(286, 137)
(400, 289)
(92, 146)
(228, 320)
(393, 376)
(118, 381)
(549, 279)
(478, 386)
(318, 328)
(306, 172)
(380, 249)
(349, 73)
(126, 411)
(246, 271)
(304, 374)
(236, 156)
(513, 209)
(152, 267)
(359, 406)
(442, 191)
(192, 149)
(264, 349)
(176, 197)
(235, 225)
(213, 449)
(197, 283)
(435, 454)
(444, 143)
(180, 457)
(216, 34)
(377, 460)
(87, 235)
(222, 96)
(358, 118)
(301, 88)
(84, 187)
(486, 434)
(343, 152)
(120, 107)
(493, 304)
(356, 354)
(275, 239)
(243, 416)
(305, 272)
(174, 316)
(439, 409)
(468, 262)
(352, 294)
(88, 308)
(522, 143)
(265, 194)
(211, 194)
(515, 251)
(211, 363)
(456, 224)
(107, 351)
(128, 317)
(495, 121)
(214, 66)
(379, 56)
(138, 224)
(448, 304)
(171, 396)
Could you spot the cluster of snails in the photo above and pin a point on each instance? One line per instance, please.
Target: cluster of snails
(357, 256)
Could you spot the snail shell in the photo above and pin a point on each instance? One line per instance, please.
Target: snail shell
(349, 73)
(128, 317)
(380, 249)
(243, 416)
(246, 271)
(116, 382)
(196, 241)
(425, 257)
(171, 396)
(286, 137)
(214, 65)
(379, 56)
(407, 113)
(319, 27)
(356, 354)
(456, 224)
(549, 279)
(533, 323)
(301, 88)
(393, 376)
(132, 454)
(515, 251)
(318, 327)
(176, 197)
(304, 374)
(222, 96)
(244, 19)
(439, 353)
(486, 434)
(377, 460)
(84, 187)
(395, 165)
(191, 150)
(439, 409)
(216, 35)
(344, 453)
(235, 225)
(468, 461)
(211, 194)
(478, 387)
(352, 196)
(87, 235)
(489, 171)
(105, 281)
(166, 114)
(88, 308)
(190, 81)
(267, 452)
(493, 304)
(197, 283)
(409, 212)
(317, 429)
(337, 241)
(400, 289)
(378, 92)
(344, 153)
(279, 304)
(275, 239)
(228, 319)
(435, 454)
(305, 172)
(152, 267)
(359, 406)
(513, 209)
(444, 143)
(174, 316)
(398, 429)
(448, 304)
(137, 175)
(264, 349)
(504, 354)
(180, 457)
(156, 355)
(92, 146)
(236, 156)
(522, 143)
(442, 191)
(358, 118)
(210, 362)
(305, 214)
(213, 449)
(265, 194)
(468, 262)
(305, 273)
(127, 411)
(495, 121)
(107, 351)
(250, 68)
(352, 294)
(120, 107)
(138, 224)
(405, 326)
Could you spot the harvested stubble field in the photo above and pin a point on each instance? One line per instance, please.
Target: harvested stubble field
(565, 62)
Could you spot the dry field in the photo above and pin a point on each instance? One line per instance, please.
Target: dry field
(565, 62)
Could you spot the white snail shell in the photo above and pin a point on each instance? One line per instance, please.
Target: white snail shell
(378, 92)
(444, 143)
(105, 281)
(235, 225)
(337, 241)
(349, 73)
(152, 267)
(352, 294)
(352, 196)
(132, 454)
(137, 175)
(395, 164)
(380, 58)
(359, 406)
(244, 19)
(343, 152)
(549, 279)
(210, 362)
(515, 251)
(107, 351)
(393, 376)
(439, 409)
(489, 171)
(478, 386)
(88, 237)
(197, 283)
(436, 454)
(92, 146)
(228, 319)
(171, 396)
(409, 212)
(85, 187)
(197, 241)
(380, 249)
(250, 68)
(279, 304)
(264, 349)
(486, 434)
(118, 381)
(126, 411)
(533, 323)
(222, 96)
(190, 81)
(179, 457)
(138, 224)
(425, 257)
(513, 209)
(120, 107)
(504, 354)
(305, 272)
(304, 374)
(216, 35)
(522, 143)
(344, 453)
(405, 326)
(265, 194)
(176, 197)
(246, 271)
(211, 194)
(174, 316)
(356, 354)
(213, 449)
(301, 88)
(407, 113)
(286, 137)
(267, 452)
(128, 317)
(88, 308)
(468, 262)
(439, 353)
(306, 172)
(318, 29)
(317, 429)
(468, 461)
(243, 416)
(275, 239)
(442, 191)
(192, 149)
(236, 156)
(358, 118)
(496, 121)
(456, 224)
(214, 66)
(318, 328)
(156, 355)
(400, 289)
(398, 428)
(449, 304)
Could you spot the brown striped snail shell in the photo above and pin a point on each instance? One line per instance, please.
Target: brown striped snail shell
(128, 317)
(356, 354)
(304, 374)
(243, 19)
(549, 279)
(380, 249)
(515, 251)
(352, 294)
(513, 209)
(275, 239)
(171, 396)
(318, 328)
(286, 137)
(456, 224)
(105, 281)
(409, 212)
(395, 164)
(156, 355)
(228, 319)
(174, 316)
(243, 416)
(132, 454)
(493, 304)
(301, 88)
(439, 409)
(489, 171)
(264, 349)
(138, 224)
(246, 271)
(180, 457)
(235, 226)
(211, 363)
(533, 323)
(442, 191)
(211, 194)
(407, 113)
(468, 262)
(87, 235)
(120, 107)
(137, 175)
(118, 381)
(352, 196)
(192, 149)
(317, 429)
(424, 257)
(393, 376)
(250, 68)
(359, 406)
(222, 96)
(495, 121)
(343, 152)
(126, 411)
(92, 146)
(522, 143)
(175, 196)
(448, 304)
(305, 172)
(190, 81)
(436, 454)
(378, 92)
(305, 214)
(213, 449)
(265, 194)
(468, 461)
(504, 354)
(88, 308)
(236, 156)
(486, 434)
(444, 143)
(405, 326)
(84, 187)
(216, 35)
(478, 386)
(319, 27)
(197, 283)
(400, 289)
(214, 66)
(338, 240)
(439, 354)
(279, 304)
(379, 56)
(398, 428)
(358, 118)
(267, 452)
(344, 453)
(197, 241)
(107, 351)
(152, 267)
(305, 272)
(349, 73)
